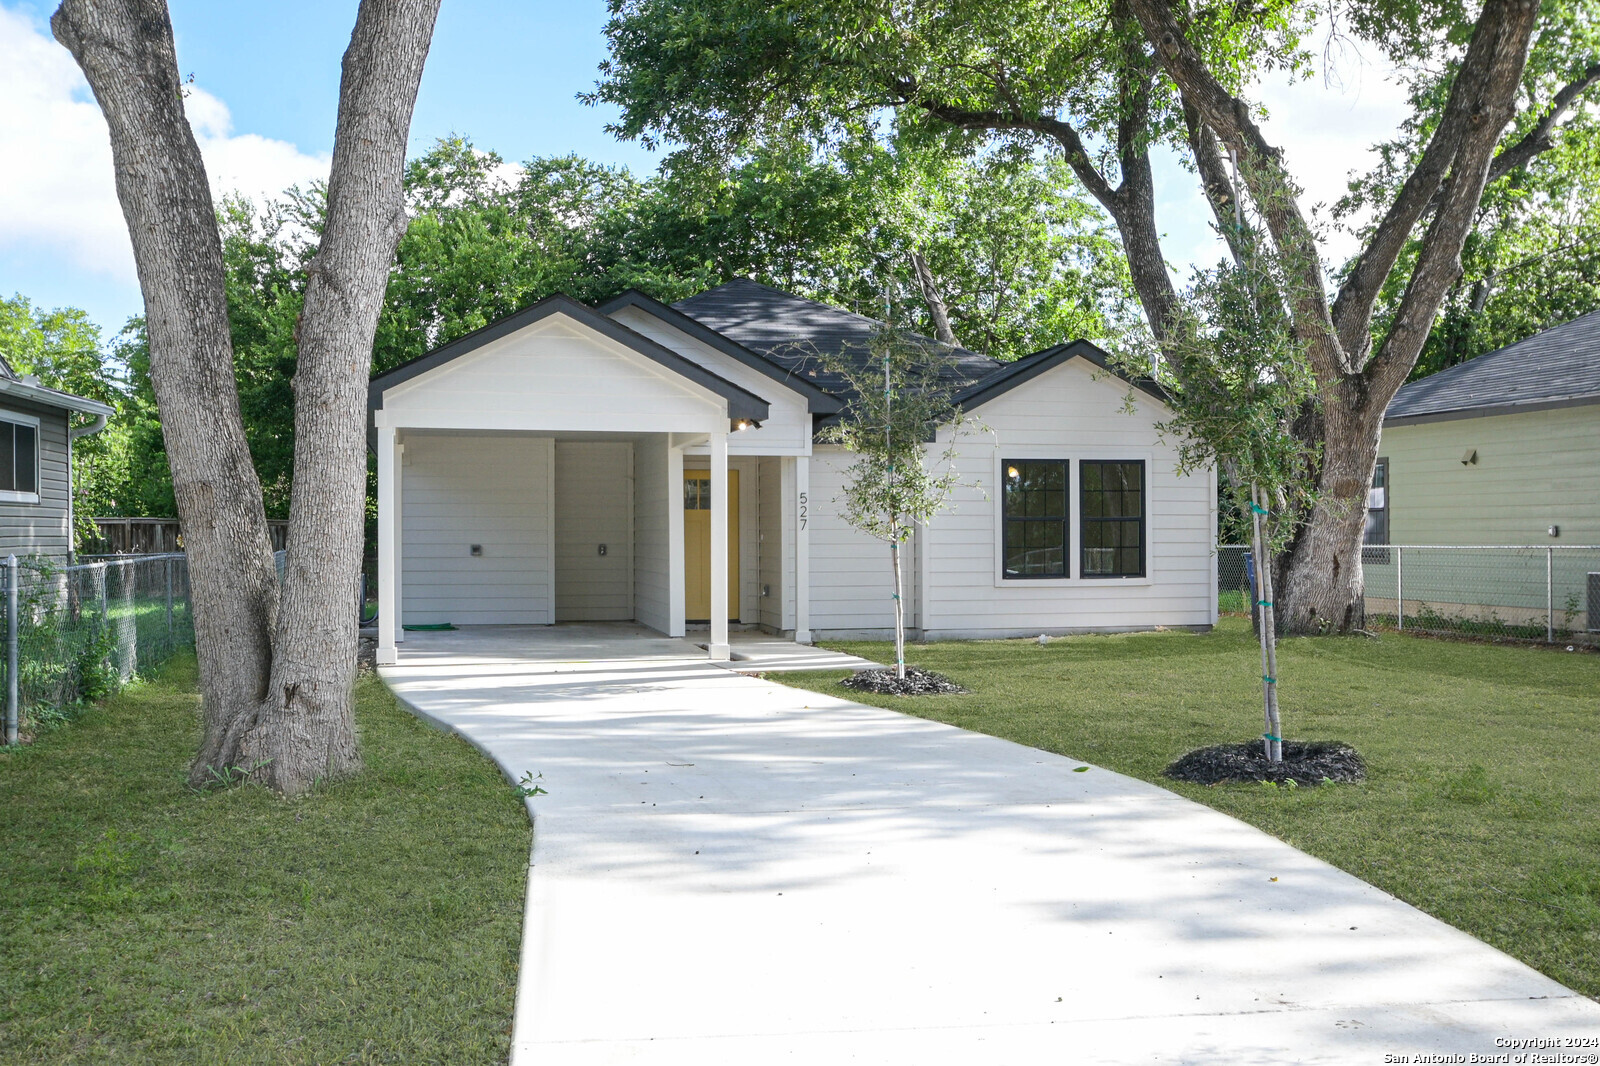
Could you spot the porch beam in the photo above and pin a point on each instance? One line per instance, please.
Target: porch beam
(677, 609)
(399, 539)
(388, 541)
(717, 646)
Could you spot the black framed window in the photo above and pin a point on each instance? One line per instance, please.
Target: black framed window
(1113, 517)
(19, 457)
(1035, 517)
(1378, 506)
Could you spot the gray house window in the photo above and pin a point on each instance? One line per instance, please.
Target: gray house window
(1113, 517)
(1036, 519)
(19, 461)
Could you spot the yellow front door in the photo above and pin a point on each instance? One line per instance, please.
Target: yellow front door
(697, 545)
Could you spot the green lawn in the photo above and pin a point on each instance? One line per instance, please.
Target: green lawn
(376, 920)
(1483, 801)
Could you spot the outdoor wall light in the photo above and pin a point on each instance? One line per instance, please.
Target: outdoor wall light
(1555, 531)
(1470, 458)
(744, 424)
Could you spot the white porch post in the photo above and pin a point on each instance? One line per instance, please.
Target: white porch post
(717, 646)
(802, 550)
(676, 607)
(388, 526)
(399, 540)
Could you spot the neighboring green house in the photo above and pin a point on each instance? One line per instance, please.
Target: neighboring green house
(1502, 450)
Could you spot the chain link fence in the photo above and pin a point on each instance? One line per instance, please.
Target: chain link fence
(1233, 579)
(1540, 592)
(75, 634)
(1521, 592)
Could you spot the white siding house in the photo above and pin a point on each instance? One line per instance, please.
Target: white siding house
(575, 464)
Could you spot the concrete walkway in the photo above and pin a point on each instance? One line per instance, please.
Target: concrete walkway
(729, 871)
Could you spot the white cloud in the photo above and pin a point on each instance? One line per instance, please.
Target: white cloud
(1327, 130)
(57, 192)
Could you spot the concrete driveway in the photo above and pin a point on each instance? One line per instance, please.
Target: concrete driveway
(729, 871)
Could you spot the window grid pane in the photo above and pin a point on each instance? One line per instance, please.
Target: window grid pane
(1113, 518)
(1035, 517)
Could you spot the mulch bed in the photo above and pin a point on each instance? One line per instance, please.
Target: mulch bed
(917, 682)
(1304, 763)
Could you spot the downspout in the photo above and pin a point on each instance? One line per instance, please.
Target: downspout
(73, 433)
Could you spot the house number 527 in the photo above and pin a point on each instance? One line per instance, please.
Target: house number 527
(802, 510)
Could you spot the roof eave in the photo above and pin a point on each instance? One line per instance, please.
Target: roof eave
(1490, 410)
(41, 394)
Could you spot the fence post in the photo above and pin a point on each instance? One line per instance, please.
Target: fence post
(1400, 589)
(167, 564)
(1549, 595)
(13, 689)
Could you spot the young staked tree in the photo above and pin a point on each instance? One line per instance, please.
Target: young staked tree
(901, 414)
(1243, 379)
(276, 666)
(1103, 85)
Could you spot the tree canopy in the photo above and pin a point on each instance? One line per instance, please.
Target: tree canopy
(1100, 85)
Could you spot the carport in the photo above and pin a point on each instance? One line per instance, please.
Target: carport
(472, 439)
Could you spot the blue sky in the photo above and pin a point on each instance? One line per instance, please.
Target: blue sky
(505, 73)
(266, 82)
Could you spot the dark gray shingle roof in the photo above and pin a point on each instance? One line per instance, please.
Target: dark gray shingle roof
(792, 331)
(1559, 366)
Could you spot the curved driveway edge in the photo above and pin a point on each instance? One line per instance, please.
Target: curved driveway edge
(726, 870)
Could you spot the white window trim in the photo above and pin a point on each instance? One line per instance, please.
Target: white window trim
(20, 419)
(1074, 457)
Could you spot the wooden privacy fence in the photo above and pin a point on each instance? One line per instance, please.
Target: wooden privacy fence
(152, 536)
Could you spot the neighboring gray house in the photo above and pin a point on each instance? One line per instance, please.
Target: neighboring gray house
(36, 463)
(661, 464)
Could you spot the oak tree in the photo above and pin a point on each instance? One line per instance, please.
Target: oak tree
(1099, 85)
(277, 661)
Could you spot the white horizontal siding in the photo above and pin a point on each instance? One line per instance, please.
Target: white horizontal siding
(494, 491)
(554, 376)
(776, 539)
(593, 507)
(1073, 412)
(652, 497)
(852, 580)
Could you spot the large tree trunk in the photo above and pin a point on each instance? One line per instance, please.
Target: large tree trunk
(276, 683)
(305, 724)
(1323, 590)
(1322, 586)
(127, 54)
